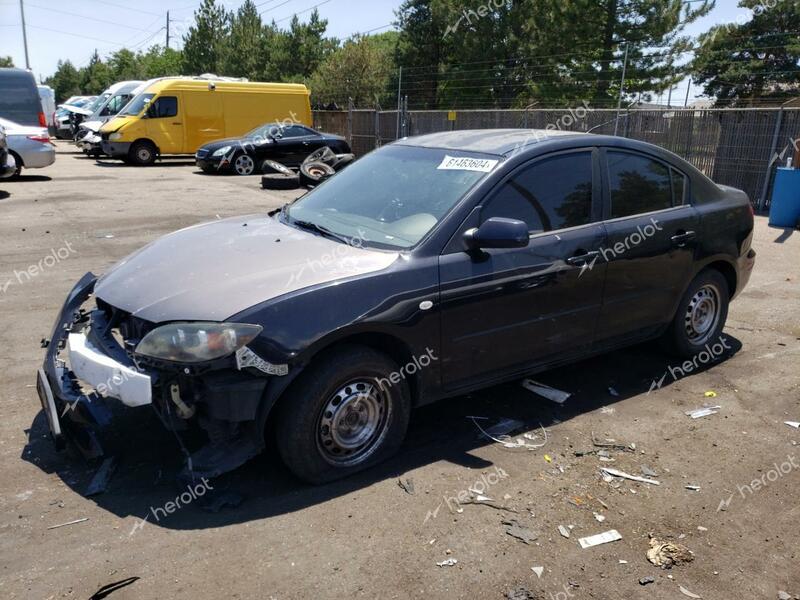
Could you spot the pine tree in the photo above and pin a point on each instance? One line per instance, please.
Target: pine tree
(245, 54)
(205, 43)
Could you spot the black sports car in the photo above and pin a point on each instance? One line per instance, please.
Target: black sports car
(289, 145)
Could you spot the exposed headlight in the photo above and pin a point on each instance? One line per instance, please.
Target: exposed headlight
(115, 136)
(196, 342)
(222, 151)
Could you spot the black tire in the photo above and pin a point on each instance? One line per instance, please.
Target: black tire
(343, 380)
(18, 160)
(142, 153)
(280, 181)
(324, 154)
(314, 173)
(342, 160)
(273, 166)
(701, 315)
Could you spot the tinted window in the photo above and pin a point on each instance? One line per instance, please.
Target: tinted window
(678, 188)
(554, 193)
(294, 131)
(165, 106)
(638, 184)
(19, 98)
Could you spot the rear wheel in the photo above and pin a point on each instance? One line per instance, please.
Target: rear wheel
(18, 160)
(701, 314)
(342, 415)
(142, 153)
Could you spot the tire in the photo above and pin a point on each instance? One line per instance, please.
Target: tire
(314, 173)
(324, 154)
(342, 160)
(18, 160)
(244, 165)
(701, 315)
(273, 166)
(142, 153)
(280, 181)
(341, 385)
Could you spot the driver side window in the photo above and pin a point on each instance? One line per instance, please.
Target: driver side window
(553, 193)
(164, 106)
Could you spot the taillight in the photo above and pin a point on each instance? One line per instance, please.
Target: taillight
(44, 139)
(42, 120)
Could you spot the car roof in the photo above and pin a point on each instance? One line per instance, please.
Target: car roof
(487, 141)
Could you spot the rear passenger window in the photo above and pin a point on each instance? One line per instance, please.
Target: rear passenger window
(678, 188)
(165, 106)
(638, 184)
(554, 193)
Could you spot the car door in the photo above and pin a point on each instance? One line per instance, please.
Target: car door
(164, 125)
(651, 243)
(297, 142)
(504, 310)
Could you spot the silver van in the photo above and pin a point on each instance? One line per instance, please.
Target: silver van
(87, 137)
(19, 98)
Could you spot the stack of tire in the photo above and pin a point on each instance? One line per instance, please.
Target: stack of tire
(316, 168)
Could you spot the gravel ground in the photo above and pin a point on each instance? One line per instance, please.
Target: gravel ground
(366, 537)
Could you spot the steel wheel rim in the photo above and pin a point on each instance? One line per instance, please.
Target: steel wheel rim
(702, 314)
(353, 423)
(244, 165)
(143, 154)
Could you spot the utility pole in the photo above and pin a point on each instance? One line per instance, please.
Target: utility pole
(621, 89)
(688, 87)
(167, 28)
(24, 34)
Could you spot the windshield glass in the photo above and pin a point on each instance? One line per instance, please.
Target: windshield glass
(136, 105)
(392, 197)
(98, 102)
(264, 132)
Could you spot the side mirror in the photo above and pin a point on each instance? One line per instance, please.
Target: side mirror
(498, 232)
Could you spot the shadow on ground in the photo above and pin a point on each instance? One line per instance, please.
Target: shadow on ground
(145, 477)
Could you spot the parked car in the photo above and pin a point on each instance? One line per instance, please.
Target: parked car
(47, 96)
(286, 144)
(179, 115)
(430, 267)
(64, 115)
(87, 137)
(8, 165)
(30, 146)
(19, 98)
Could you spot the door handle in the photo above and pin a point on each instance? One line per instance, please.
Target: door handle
(681, 237)
(177, 123)
(583, 258)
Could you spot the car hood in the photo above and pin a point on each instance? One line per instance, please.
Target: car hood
(217, 144)
(213, 271)
(116, 123)
(93, 125)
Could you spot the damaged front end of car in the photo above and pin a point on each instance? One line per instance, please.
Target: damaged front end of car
(200, 373)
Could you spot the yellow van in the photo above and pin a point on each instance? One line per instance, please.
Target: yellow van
(178, 115)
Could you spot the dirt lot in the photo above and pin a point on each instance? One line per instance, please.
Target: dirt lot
(366, 537)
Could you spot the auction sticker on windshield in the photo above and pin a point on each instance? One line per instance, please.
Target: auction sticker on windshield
(466, 163)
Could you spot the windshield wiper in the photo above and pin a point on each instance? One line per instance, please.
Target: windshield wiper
(321, 229)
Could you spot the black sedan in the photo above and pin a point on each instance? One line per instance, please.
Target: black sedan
(289, 145)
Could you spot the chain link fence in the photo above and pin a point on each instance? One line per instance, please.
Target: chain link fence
(736, 147)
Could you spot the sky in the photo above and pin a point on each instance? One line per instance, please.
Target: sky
(59, 30)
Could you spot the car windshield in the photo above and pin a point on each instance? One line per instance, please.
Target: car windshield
(392, 197)
(136, 105)
(98, 102)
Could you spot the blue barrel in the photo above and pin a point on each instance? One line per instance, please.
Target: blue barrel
(784, 208)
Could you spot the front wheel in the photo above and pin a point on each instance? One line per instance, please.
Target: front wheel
(142, 153)
(343, 415)
(701, 315)
(244, 165)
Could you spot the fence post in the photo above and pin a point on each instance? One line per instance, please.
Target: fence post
(350, 122)
(778, 120)
(377, 125)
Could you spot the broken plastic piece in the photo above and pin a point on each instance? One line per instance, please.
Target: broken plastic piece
(703, 412)
(611, 535)
(615, 473)
(99, 482)
(538, 571)
(795, 424)
(514, 529)
(710, 394)
(505, 440)
(552, 394)
(563, 531)
(447, 563)
(694, 488)
(686, 592)
(407, 485)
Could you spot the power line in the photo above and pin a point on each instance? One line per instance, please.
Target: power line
(77, 35)
(139, 10)
(303, 11)
(64, 12)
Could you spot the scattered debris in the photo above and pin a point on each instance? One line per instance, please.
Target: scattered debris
(646, 580)
(694, 488)
(600, 518)
(548, 458)
(668, 554)
(613, 392)
(514, 529)
(795, 424)
(538, 571)
(407, 485)
(611, 535)
(505, 440)
(102, 476)
(703, 412)
(701, 528)
(710, 394)
(447, 563)
(622, 474)
(520, 593)
(648, 471)
(623, 562)
(482, 500)
(784, 595)
(70, 523)
(563, 531)
(613, 445)
(552, 394)
(686, 592)
(504, 426)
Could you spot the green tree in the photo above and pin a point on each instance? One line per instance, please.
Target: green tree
(760, 59)
(159, 61)
(205, 43)
(361, 69)
(125, 65)
(245, 55)
(65, 81)
(6, 62)
(295, 54)
(96, 76)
